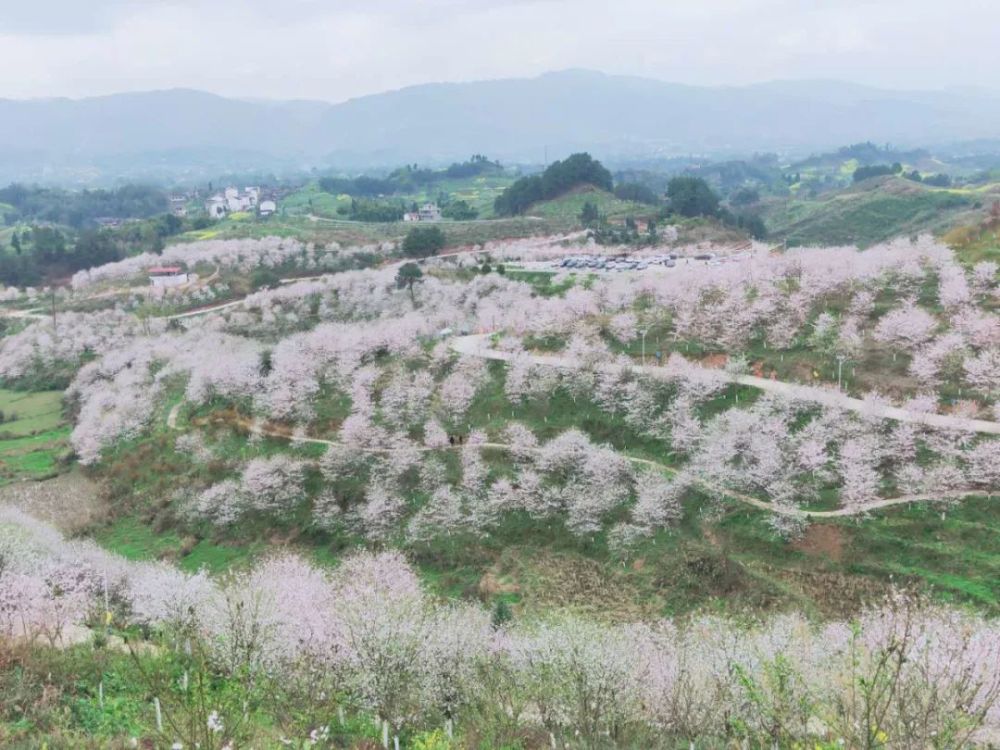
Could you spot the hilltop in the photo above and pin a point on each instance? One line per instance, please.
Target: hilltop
(169, 133)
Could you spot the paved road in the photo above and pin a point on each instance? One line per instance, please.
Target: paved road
(478, 345)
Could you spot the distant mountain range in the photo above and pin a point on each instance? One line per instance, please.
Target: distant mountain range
(184, 132)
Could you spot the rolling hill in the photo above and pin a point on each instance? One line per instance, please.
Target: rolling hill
(873, 211)
(516, 120)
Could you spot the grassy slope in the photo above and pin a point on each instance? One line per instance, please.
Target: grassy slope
(32, 443)
(873, 211)
(568, 207)
(722, 556)
(323, 230)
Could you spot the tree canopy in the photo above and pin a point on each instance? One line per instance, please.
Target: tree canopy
(407, 179)
(79, 209)
(423, 242)
(876, 170)
(636, 192)
(560, 176)
(691, 196)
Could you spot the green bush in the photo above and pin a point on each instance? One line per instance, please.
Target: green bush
(423, 242)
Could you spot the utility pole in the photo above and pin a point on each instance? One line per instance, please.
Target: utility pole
(644, 331)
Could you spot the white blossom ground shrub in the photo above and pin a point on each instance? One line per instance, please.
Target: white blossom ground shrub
(366, 637)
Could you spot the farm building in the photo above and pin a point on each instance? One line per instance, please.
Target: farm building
(216, 207)
(427, 212)
(167, 276)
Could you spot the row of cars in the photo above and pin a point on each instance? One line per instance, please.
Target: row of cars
(622, 263)
(599, 263)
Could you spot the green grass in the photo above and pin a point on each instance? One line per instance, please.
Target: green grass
(542, 281)
(311, 200)
(35, 411)
(479, 192)
(135, 540)
(958, 555)
(34, 435)
(568, 207)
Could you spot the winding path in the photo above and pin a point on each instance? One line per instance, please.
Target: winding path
(792, 512)
(477, 345)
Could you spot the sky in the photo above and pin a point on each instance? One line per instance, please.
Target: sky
(333, 50)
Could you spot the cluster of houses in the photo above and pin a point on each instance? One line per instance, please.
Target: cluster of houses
(233, 199)
(427, 212)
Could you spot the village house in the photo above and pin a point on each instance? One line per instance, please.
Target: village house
(167, 276)
(231, 200)
(216, 207)
(427, 212)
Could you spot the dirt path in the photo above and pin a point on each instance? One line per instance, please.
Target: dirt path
(259, 429)
(35, 312)
(204, 310)
(477, 345)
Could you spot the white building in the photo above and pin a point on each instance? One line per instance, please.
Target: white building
(427, 212)
(167, 276)
(216, 206)
(232, 200)
(178, 205)
(430, 212)
(267, 207)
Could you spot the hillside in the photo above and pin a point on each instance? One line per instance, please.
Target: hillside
(516, 120)
(342, 508)
(875, 210)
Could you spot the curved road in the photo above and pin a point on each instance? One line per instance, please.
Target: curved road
(477, 345)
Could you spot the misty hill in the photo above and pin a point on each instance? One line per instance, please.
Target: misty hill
(515, 120)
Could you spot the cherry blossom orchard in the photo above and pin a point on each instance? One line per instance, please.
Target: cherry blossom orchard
(362, 484)
(411, 403)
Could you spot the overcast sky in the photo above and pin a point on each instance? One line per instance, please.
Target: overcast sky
(337, 49)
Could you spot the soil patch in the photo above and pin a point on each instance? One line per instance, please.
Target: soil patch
(70, 502)
(553, 580)
(822, 540)
(715, 361)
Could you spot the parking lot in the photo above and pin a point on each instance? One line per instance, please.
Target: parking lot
(593, 263)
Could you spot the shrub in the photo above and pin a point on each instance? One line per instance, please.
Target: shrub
(422, 243)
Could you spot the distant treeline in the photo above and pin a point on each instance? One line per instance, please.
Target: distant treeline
(865, 153)
(881, 170)
(408, 179)
(79, 209)
(41, 254)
